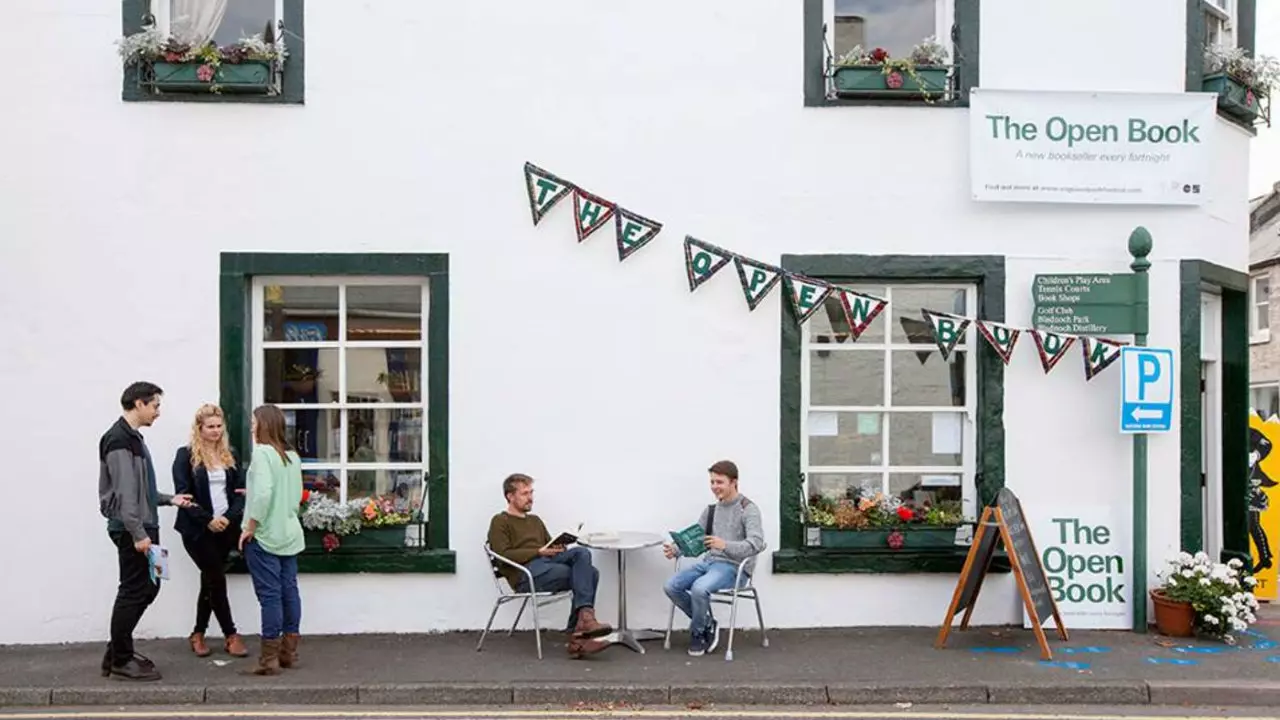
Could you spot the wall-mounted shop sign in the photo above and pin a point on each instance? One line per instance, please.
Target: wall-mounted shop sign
(1079, 147)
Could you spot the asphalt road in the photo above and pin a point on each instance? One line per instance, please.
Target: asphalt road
(594, 712)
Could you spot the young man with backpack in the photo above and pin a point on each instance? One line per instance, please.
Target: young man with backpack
(734, 532)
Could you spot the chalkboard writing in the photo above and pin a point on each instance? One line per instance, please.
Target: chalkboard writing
(1024, 548)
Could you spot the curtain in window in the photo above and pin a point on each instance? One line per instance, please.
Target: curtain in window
(195, 21)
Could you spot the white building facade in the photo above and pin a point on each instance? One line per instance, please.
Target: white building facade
(358, 247)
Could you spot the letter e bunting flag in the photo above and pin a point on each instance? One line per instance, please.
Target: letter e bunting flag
(807, 295)
(634, 232)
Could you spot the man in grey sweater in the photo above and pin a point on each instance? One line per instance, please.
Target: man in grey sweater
(734, 532)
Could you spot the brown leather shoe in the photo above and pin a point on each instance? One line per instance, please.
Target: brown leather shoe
(234, 646)
(289, 650)
(198, 645)
(268, 659)
(588, 626)
(579, 648)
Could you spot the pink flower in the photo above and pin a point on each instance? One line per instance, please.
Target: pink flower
(896, 540)
(893, 80)
(205, 72)
(172, 57)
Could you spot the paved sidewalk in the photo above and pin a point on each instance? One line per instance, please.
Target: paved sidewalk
(844, 666)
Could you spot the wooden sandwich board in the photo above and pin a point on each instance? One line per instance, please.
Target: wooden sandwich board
(1003, 523)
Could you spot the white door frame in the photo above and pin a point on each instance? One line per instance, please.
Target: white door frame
(1211, 421)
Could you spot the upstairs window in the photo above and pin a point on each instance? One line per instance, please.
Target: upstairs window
(890, 48)
(1219, 23)
(1260, 309)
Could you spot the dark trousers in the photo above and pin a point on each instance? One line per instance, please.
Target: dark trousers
(209, 551)
(134, 595)
(570, 570)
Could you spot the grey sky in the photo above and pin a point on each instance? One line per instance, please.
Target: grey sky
(895, 25)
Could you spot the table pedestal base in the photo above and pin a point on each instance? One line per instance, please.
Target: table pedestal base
(631, 638)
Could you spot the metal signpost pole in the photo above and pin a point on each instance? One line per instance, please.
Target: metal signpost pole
(1139, 248)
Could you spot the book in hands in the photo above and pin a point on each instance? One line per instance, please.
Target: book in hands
(691, 541)
(564, 539)
(158, 563)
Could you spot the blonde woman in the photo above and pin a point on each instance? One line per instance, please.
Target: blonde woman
(272, 539)
(206, 469)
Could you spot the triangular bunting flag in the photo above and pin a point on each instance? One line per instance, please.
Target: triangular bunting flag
(860, 310)
(1051, 347)
(590, 212)
(807, 295)
(1098, 355)
(1002, 338)
(948, 330)
(634, 231)
(702, 260)
(545, 190)
(757, 279)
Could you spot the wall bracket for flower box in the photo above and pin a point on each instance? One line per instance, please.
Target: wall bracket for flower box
(925, 82)
(249, 77)
(1239, 100)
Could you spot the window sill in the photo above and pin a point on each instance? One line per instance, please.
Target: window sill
(370, 561)
(887, 101)
(878, 561)
(1261, 338)
(239, 84)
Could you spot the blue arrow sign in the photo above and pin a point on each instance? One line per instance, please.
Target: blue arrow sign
(1146, 389)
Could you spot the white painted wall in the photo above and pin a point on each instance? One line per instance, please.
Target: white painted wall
(610, 383)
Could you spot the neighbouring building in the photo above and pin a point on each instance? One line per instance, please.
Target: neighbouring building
(348, 231)
(1264, 261)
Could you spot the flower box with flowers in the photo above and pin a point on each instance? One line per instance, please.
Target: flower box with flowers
(1243, 84)
(925, 74)
(1202, 597)
(872, 520)
(166, 64)
(359, 524)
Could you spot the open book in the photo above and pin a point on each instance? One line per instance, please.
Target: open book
(158, 563)
(691, 541)
(564, 539)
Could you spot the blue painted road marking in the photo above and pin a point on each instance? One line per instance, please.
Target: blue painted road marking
(1274, 659)
(1088, 649)
(1266, 645)
(1171, 661)
(1204, 650)
(1065, 664)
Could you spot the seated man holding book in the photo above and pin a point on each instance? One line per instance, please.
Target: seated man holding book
(729, 531)
(520, 536)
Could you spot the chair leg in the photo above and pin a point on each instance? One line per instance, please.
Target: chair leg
(496, 604)
(671, 621)
(519, 614)
(537, 629)
(733, 623)
(764, 639)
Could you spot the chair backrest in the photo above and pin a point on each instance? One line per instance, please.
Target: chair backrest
(499, 582)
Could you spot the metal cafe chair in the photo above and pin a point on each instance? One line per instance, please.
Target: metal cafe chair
(506, 595)
(727, 597)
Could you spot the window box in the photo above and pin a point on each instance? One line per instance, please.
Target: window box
(879, 80)
(250, 76)
(912, 538)
(382, 538)
(1236, 98)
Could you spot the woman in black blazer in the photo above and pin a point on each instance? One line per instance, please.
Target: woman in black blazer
(210, 525)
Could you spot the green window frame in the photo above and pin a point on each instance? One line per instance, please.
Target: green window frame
(236, 368)
(1245, 37)
(988, 274)
(964, 54)
(134, 14)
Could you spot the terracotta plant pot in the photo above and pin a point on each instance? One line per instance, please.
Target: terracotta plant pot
(1175, 619)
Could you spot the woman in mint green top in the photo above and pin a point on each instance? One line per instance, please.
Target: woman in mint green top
(273, 538)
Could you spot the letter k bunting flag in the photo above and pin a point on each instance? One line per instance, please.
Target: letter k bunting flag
(1001, 338)
(590, 212)
(948, 330)
(1099, 354)
(545, 190)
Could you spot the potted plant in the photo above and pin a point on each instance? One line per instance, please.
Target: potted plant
(870, 519)
(301, 378)
(861, 73)
(371, 522)
(168, 64)
(400, 384)
(1244, 84)
(1198, 596)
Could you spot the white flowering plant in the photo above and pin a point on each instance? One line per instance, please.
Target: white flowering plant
(1261, 73)
(1220, 593)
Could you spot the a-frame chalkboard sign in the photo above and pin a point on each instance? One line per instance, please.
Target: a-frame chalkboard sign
(1004, 523)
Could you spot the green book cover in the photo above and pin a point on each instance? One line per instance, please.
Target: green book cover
(690, 541)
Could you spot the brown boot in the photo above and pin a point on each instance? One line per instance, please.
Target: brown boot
(289, 650)
(269, 659)
(198, 645)
(588, 626)
(234, 646)
(579, 648)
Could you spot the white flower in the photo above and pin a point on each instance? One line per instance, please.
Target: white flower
(1188, 574)
(1205, 582)
(1234, 563)
(1211, 619)
(1184, 557)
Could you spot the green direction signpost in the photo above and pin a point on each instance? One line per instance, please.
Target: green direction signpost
(1087, 304)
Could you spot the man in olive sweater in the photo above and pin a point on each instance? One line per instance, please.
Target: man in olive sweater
(520, 536)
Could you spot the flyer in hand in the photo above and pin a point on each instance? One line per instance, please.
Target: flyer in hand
(691, 541)
(158, 563)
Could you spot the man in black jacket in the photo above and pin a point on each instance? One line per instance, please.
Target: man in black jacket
(128, 498)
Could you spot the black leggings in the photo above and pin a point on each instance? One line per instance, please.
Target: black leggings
(210, 552)
(1260, 540)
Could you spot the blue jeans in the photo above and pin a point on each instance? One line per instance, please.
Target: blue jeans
(275, 582)
(570, 570)
(691, 588)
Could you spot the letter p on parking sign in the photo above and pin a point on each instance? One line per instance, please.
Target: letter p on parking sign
(1146, 389)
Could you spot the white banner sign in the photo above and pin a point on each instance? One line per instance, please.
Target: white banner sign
(1086, 553)
(1076, 147)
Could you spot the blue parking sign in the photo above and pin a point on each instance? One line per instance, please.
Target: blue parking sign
(1146, 389)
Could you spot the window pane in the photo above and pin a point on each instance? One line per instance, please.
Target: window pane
(384, 375)
(1262, 290)
(895, 25)
(920, 438)
(846, 377)
(384, 312)
(932, 488)
(923, 378)
(299, 314)
(909, 326)
(244, 18)
(323, 482)
(384, 436)
(314, 434)
(402, 487)
(829, 325)
(839, 485)
(844, 438)
(300, 376)
(1266, 401)
(1263, 319)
